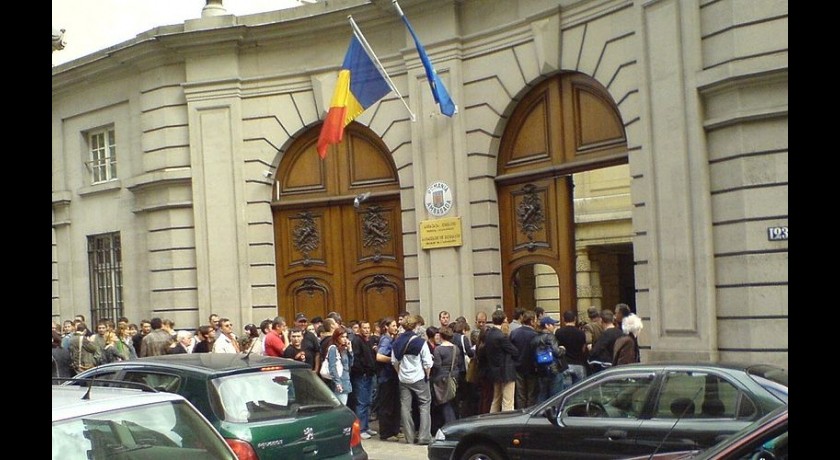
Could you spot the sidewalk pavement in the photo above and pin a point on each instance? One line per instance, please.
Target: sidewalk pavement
(389, 450)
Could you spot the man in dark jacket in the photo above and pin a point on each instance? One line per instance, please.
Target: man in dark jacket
(550, 376)
(361, 377)
(601, 355)
(61, 363)
(526, 376)
(573, 339)
(502, 357)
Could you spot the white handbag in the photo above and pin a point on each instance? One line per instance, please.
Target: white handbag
(325, 365)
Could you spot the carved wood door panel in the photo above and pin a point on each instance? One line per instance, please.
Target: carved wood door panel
(537, 227)
(373, 260)
(330, 254)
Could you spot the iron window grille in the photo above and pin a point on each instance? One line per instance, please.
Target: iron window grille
(105, 260)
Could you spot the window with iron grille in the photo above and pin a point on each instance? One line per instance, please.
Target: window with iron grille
(105, 260)
(103, 155)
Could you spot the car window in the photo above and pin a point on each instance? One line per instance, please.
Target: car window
(687, 394)
(267, 395)
(102, 375)
(618, 397)
(166, 430)
(161, 382)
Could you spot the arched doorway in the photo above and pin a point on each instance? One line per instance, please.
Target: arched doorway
(334, 252)
(566, 124)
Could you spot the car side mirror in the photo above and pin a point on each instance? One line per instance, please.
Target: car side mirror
(551, 414)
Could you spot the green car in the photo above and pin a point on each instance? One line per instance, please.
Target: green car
(264, 407)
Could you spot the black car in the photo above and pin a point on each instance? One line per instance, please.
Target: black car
(765, 439)
(622, 412)
(264, 407)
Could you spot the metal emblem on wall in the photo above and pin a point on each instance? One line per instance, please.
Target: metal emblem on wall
(529, 214)
(375, 231)
(438, 199)
(305, 236)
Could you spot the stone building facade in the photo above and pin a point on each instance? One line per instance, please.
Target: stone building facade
(182, 167)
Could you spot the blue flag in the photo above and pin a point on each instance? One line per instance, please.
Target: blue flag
(447, 107)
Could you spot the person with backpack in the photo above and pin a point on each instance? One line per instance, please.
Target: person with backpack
(549, 360)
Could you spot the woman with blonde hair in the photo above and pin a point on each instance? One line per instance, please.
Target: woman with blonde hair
(114, 349)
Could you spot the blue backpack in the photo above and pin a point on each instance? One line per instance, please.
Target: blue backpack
(543, 355)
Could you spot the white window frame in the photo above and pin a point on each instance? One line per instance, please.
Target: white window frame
(102, 154)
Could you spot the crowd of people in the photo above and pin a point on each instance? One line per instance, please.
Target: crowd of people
(414, 378)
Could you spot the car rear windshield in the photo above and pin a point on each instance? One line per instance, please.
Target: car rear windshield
(272, 394)
(170, 430)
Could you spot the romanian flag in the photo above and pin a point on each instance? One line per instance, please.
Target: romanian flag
(447, 107)
(358, 87)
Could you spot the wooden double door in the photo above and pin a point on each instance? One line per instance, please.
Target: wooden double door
(333, 252)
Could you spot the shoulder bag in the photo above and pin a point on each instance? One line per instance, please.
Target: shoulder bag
(446, 387)
(325, 366)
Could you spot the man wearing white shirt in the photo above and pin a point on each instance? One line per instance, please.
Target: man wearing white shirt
(226, 341)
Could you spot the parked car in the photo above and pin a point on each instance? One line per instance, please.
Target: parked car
(265, 407)
(764, 439)
(121, 423)
(623, 411)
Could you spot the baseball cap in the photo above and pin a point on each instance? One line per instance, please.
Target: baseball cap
(300, 317)
(547, 320)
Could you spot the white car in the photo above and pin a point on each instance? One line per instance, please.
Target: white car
(91, 423)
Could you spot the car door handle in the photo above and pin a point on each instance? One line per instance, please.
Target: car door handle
(613, 435)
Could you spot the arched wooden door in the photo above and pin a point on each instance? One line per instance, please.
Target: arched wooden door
(332, 255)
(564, 125)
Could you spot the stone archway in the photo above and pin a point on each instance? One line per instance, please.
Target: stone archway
(564, 125)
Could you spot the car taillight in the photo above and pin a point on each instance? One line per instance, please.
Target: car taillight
(242, 449)
(356, 434)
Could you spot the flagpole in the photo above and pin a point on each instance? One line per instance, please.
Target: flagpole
(399, 10)
(366, 46)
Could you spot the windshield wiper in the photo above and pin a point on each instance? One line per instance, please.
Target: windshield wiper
(115, 450)
(314, 407)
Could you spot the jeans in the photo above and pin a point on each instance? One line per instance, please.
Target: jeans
(550, 385)
(526, 391)
(362, 388)
(342, 397)
(421, 391)
(574, 374)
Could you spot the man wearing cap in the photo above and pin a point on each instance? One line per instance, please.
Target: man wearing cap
(550, 376)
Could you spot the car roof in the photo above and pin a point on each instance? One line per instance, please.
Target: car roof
(758, 369)
(70, 401)
(214, 363)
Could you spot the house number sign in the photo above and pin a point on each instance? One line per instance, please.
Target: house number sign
(777, 233)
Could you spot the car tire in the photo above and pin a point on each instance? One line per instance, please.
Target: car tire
(482, 452)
